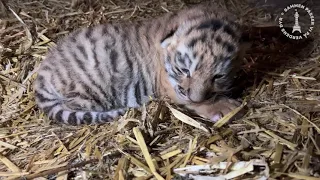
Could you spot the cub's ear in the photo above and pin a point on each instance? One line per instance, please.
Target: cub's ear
(166, 42)
(169, 41)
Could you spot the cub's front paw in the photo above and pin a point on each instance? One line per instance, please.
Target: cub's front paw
(215, 110)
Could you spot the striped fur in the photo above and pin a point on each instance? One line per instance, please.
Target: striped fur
(96, 73)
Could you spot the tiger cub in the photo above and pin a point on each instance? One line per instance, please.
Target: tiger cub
(95, 74)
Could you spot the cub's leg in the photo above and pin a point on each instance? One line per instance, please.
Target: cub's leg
(215, 110)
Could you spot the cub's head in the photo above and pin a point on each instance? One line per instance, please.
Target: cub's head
(201, 58)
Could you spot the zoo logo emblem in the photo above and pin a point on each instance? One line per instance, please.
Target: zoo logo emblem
(296, 27)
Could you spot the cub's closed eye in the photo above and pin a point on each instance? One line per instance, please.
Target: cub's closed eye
(186, 71)
(183, 71)
(178, 70)
(216, 77)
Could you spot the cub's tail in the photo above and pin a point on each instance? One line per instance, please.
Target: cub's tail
(53, 105)
(54, 108)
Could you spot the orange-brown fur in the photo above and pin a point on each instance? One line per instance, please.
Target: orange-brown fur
(95, 73)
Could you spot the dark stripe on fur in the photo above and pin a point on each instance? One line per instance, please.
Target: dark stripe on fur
(229, 31)
(88, 33)
(94, 51)
(130, 66)
(193, 42)
(218, 39)
(114, 60)
(72, 86)
(213, 24)
(43, 87)
(58, 115)
(104, 117)
(174, 77)
(230, 48)
(116, 102)
(87, 118)
(83, 51)
(72, 119)
(77, 94)
(61, 78)
(41, 98)
(137, 93)
(47, 68)
(47, 109)
(79, 62)
(140, 49)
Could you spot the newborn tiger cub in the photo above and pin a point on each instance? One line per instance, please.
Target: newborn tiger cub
(95, 74)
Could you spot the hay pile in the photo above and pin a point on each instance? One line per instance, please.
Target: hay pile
(278, 137)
